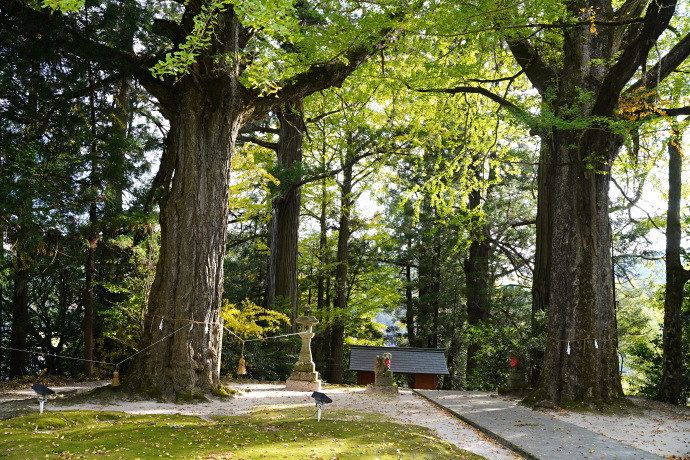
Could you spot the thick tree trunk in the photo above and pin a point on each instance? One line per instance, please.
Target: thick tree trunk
(285, 219)
(182, 322)
(676, 277)
(476, 268)
(581, 360)
(594, 66)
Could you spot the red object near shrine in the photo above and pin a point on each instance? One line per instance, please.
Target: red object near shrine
(513, 362)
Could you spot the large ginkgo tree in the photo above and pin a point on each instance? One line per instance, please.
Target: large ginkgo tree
(212, 66)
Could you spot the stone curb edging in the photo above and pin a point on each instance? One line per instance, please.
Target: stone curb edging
(515, 448)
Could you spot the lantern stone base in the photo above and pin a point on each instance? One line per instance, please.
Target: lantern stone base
(518, 381)
(303, 378)
(382, 389)
(302, 385)
(521, 393)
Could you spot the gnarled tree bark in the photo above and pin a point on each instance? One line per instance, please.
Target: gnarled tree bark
(580, 361)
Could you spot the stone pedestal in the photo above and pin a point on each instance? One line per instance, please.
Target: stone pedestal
(517, 377)
(382, 389)
(304, 376)
(383, 377)
(518, 384)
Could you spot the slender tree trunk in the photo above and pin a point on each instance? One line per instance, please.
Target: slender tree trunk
(341, 275)
(323, 249)
(92, 237)
(454, 356)
(409, 302)
(322, 302)
(286, 210)
(117, 156)
(541, 281)
(476, 268)
(2, 290)
(90, 268)
(676, 277)
(429, 283)
(20, 314)
(436, 306)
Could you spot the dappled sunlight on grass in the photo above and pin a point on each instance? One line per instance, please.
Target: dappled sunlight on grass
(269, 432)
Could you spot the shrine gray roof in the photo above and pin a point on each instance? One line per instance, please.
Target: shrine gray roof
(403, 360)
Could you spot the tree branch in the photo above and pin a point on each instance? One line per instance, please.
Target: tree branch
(511, 252)
(259, 142)
(325, 75)
(529, 60)
(631, 201)
(498, 80)
(333, 172)
(659, 14)
(664, 67)
(470, 89)
(677, 111)
(324, 115)
(523, 223)
(57, 32)
(262, 129)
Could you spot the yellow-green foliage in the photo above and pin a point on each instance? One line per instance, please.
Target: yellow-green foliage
(250, 164)
(244, 320)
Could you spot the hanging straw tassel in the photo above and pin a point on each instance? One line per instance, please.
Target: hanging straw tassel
(116, 377)
(241, 369)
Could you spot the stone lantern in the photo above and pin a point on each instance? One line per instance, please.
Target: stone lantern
(304, 376)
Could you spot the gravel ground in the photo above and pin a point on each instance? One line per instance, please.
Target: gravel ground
(657, 427)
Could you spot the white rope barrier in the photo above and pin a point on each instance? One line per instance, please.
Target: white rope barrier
(117, 365)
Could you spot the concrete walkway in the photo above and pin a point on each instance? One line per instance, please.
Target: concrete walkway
(532, 434)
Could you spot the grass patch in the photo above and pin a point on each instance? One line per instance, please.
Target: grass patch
(286, 432)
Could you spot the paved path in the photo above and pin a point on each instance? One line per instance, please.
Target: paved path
(531, 433)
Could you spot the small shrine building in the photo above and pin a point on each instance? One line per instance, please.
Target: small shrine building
(423, 364)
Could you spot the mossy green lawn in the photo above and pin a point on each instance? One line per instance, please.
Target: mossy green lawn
(269, 432)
